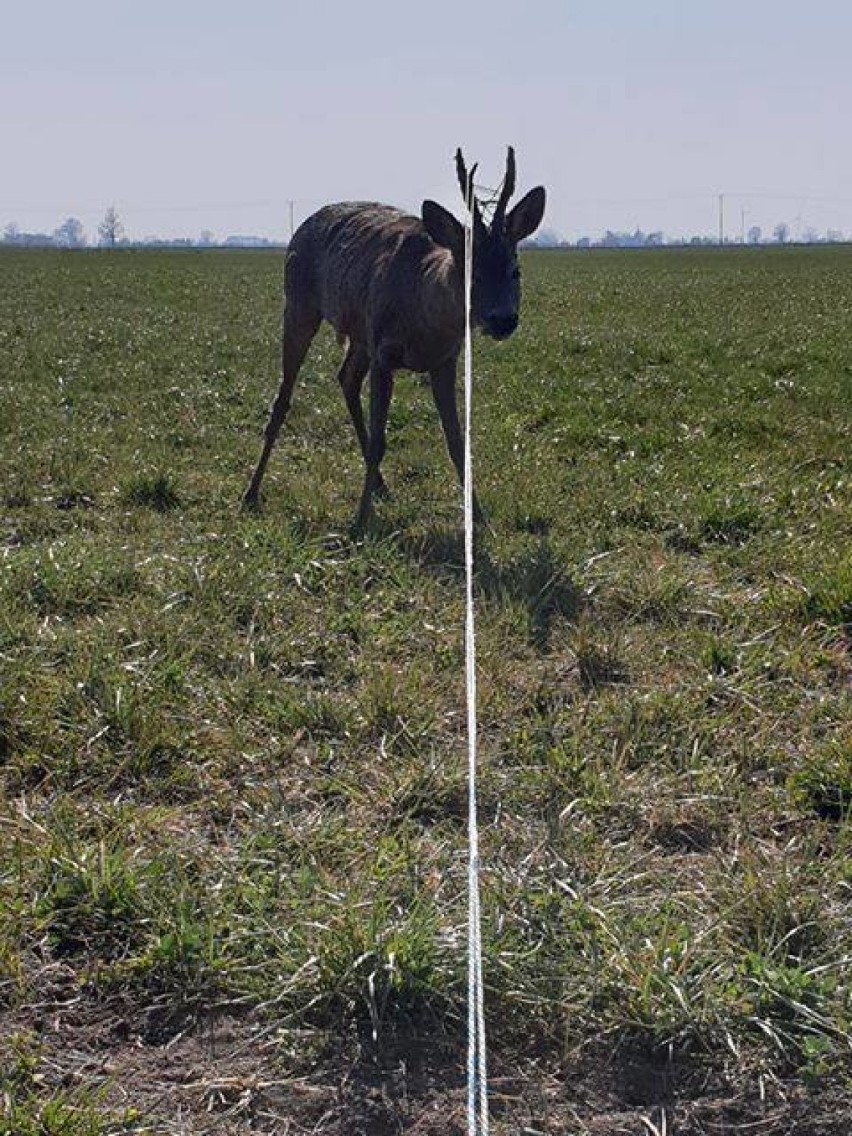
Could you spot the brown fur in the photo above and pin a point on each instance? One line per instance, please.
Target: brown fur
(376, 276)
(392, 286)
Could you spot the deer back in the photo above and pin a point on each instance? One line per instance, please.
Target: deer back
(379, 279)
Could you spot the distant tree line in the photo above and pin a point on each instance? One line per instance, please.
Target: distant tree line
(110, 234)
(549, 238)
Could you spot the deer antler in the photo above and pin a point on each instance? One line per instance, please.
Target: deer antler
(508, 187)
(466, 186)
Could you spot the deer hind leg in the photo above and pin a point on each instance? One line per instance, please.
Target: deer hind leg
(351, 378)
(300, 326)
(444, 393)
(381, 389)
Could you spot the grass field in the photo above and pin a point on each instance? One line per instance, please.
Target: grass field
(232, 826)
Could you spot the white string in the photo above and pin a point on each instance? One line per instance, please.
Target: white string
(477, 1081)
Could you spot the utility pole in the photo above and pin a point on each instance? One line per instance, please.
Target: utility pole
(291, 219)
(742, 225)
(721, 218)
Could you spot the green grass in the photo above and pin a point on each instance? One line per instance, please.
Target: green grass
(232, 832)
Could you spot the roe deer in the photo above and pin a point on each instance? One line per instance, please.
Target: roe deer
(392, 285)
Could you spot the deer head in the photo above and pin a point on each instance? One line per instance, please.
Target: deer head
(496, 290)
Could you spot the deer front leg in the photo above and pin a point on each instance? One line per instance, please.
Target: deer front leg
(381, 389)
(444, 393)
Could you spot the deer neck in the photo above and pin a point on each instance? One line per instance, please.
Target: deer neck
(443, 294)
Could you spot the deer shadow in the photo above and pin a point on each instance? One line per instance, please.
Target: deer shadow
(535, 579)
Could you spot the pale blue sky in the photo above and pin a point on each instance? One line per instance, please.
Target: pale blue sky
(188, 115)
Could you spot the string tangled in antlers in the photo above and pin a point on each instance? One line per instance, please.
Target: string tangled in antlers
(493, 204)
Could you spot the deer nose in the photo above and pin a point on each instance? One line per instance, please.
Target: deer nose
(500, 325)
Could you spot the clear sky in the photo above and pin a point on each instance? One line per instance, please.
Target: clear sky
(190, 115)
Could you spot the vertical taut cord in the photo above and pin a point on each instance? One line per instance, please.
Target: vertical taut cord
(477, 1082)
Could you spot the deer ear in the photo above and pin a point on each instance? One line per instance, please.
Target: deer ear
(442, 226)
(526, 216)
